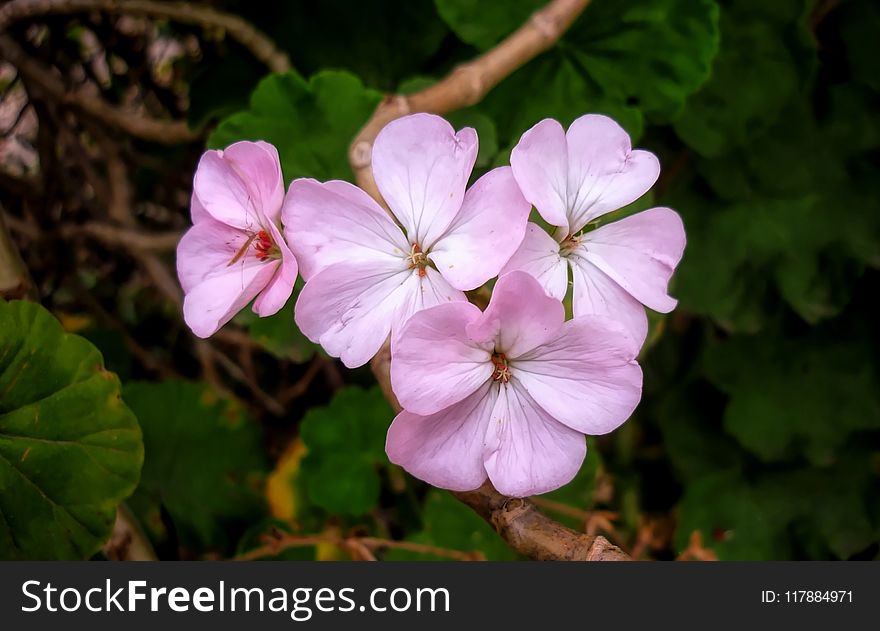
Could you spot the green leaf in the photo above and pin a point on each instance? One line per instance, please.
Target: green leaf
(831, 502)
(204, 465)
(650, 54)
(70, 450)
(278, 333)
(484, 24)
(345, 443)
(381, 41)
(629, 60)
(724, 510)
(310, 122)
(860, 25)
(449, 524)
(796, 395)
(758, 70)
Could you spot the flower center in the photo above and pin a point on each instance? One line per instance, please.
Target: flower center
(264, 246)
(569, 245)
(502, 369)
(417, 259)
(262, 242)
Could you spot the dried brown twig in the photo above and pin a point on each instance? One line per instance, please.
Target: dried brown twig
(359, 548)
(260, 46)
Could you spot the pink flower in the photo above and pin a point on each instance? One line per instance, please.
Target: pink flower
(235, 252)
(367, 274)
(507, 393)
(573, 178)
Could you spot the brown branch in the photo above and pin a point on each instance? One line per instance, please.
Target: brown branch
(125, 237)
(42, 80)
(525, 528)
(468, 83)
(259, 44)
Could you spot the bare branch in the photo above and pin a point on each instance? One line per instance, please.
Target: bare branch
(42, 79)
(259, 44)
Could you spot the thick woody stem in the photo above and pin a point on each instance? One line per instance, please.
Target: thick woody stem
(467, 84)
(261, 47)
(522, 525)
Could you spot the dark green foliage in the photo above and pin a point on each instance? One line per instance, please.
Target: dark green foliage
(70, 450)
(204, 464)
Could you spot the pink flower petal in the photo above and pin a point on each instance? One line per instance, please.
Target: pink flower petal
(604, 172)
(434, 363)
(446, 448)
(520, 316)
(424, 292)
(207, 249)
(539, 256)
(640, 253)
(485, 233)
(348, 308)
(215, 300)
(422, 167)
(586, 377)
(260, 168)
(540, 165)
(278, 291)
(223, 194)
(197, 210)
(528, 451)
(596, 294)
(330, 222)
(351, 308)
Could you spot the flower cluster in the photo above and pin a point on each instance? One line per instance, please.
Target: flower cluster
(507, 393)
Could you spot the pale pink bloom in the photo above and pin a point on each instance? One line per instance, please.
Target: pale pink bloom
(507, 393)
(575, 177)
(367, 273)
(235, 251)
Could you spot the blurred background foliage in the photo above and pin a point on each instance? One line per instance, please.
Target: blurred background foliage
(759, 433)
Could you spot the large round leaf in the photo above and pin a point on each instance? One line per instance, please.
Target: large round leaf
(70, 450)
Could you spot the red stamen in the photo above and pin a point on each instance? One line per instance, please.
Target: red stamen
(263, 246)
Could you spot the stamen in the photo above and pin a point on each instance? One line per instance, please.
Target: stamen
(418, 259)
(502, 370)
(264, 246)
(569, 244)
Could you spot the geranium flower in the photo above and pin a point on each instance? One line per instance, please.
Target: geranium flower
(507, 393)
(574, 178)
(366, 274)
(235, 251)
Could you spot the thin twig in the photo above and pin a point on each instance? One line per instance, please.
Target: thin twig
(41, 79)
(259, 44)
(283, 542)
(125, 237)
